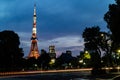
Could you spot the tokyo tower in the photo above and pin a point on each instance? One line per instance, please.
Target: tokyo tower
(34, 52)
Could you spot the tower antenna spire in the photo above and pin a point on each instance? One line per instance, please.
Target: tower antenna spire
(35, 9)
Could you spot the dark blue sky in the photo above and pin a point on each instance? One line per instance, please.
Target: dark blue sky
(59, 22)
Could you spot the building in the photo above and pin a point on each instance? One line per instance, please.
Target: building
(52, 52)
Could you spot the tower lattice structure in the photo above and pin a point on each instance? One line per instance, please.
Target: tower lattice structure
(34, 52)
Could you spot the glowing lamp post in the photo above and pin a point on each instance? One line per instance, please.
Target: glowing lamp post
(118, 50)
(53, 61)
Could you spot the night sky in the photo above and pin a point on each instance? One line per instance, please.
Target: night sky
(59, 22)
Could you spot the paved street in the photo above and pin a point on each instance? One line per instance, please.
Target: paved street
(47, 76)
(58, 75)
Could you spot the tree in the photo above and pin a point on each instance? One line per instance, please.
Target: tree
(31, 63)
(91, 38)
(93, 43)
(44, 59)
(84, 59)
(112, 17)
(10, 53)
(66, 60)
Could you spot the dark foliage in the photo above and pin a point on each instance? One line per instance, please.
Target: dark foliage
(112, 17)
(65, 60)
(44, 59)
(93, 40)
(10, 53)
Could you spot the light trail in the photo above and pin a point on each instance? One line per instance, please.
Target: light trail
(2, 74)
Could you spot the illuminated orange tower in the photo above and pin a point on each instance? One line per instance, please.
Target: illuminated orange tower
(34, 52)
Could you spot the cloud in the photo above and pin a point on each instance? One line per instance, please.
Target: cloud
(25, 39)
(64, 41)
(24, 34)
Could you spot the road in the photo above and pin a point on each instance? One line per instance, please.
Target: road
(46, 75)
(45, 71)
(71, 74)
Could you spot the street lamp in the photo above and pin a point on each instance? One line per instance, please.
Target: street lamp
(102, 35)
(53, 61)
(118, 50)
(87, 55)
(86, 52)
(81, 61)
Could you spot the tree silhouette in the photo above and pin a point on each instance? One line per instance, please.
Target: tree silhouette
(10, 53)
(93, 43)
(30, 63)
(112, 17)
(66, 60)
(44, 59)
(91, 37)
